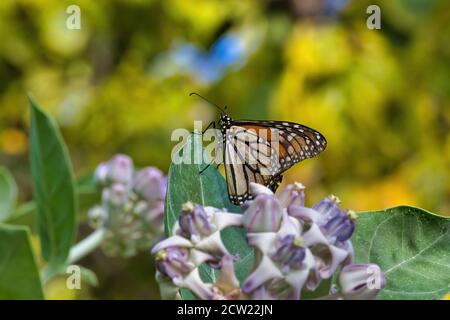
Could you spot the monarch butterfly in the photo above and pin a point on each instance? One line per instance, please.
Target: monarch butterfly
(262, 150)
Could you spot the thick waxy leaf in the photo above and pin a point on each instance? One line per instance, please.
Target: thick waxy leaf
(8, 194)
(53, 186)
(208, 189)
(411, 246)
(19, 276)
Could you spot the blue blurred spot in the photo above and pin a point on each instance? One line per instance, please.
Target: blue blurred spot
(228, 50)
(209, 67)
(184, 55)
(333, 7)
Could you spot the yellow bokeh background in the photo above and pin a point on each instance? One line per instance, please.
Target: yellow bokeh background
(380, 97)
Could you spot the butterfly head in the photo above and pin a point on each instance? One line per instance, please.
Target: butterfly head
(225, 122)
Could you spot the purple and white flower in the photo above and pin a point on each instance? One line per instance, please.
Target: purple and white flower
(132, 206)
(296, 249)
(361, 281)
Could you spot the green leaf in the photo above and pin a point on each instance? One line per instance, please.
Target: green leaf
(8, 194)
(207, 189)
(53, 187)
(411, 246)
(19, 276)
(87, 196)
(321, 291)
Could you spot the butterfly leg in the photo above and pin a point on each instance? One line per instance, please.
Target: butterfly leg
(211, 124)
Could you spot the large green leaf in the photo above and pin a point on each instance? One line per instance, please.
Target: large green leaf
(53, 187)
(87, 196)
(19, 276)
(8, 194)
(411, 246)
(208, 189)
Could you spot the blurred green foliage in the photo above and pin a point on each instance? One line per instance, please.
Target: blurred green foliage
(381, 97)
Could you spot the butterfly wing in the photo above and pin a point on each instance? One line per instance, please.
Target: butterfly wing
(296, 142)
(248, 158)
(260, 151)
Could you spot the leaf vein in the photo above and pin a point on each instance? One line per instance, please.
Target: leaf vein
(417, 254)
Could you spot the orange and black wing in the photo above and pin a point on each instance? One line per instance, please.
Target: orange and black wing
(260, 151)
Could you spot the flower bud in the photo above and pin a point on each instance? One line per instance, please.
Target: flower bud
(173, 262)
(115, 195)
(194, 221)
(117, 170)
(339, 228)
(121, 169)
(150, 184)
(290, 253)
(151, 214)
(97, 216)
(263, 215)
(101, 174)
(361, 281)
(293, 194)
(329, 208)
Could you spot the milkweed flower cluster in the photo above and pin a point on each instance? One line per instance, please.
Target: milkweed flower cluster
(296, 250)
(196, 240)
(132, 206)
(299, 247)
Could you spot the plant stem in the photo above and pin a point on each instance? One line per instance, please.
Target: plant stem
(77, 252)
(86, 246)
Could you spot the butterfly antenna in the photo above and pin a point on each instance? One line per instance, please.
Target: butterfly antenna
(210, 102)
